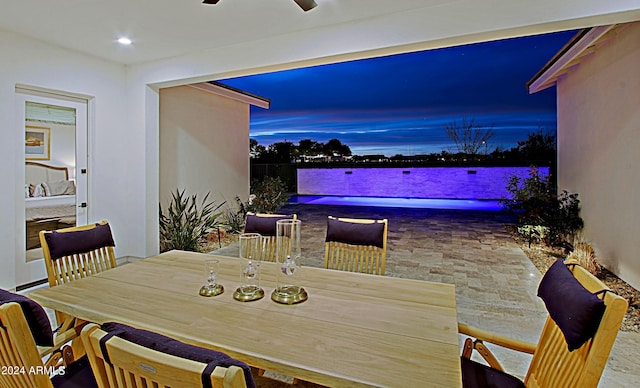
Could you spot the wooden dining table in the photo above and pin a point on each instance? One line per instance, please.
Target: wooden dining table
(354, 329)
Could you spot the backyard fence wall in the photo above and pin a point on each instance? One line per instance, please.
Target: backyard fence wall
(418, 182)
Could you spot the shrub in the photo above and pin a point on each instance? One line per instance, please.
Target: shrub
(187, 223)
(529, 197)
(535, 233)
(584, 254)
(234, 218)
(534, 203)
(267, 196)
(562, 217)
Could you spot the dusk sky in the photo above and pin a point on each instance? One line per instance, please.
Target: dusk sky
(401, 104)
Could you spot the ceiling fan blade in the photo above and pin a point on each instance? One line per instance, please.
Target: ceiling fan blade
(306, 5)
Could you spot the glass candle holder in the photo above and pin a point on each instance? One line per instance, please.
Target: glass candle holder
(211, 286)
(289, 289)
(250, 256)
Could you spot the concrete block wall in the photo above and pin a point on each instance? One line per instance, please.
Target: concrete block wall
(414, 182)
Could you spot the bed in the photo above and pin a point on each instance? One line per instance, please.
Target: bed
(50, 200)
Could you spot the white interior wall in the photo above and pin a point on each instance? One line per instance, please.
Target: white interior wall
(598, 143)
(29, 62)
(204, 145)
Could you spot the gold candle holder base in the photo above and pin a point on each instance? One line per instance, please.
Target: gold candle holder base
(211, 291)
(248, 297)
(289, 295)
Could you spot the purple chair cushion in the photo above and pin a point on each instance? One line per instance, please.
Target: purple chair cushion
(70, 243)
(355, 233)
(174, 347)
(35, 315)
(266, 226)
(575, 310)
(76, 375)
(482, 376)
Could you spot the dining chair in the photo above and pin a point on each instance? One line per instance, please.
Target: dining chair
(26, 340)
(77, 252)
(577, 337)
(127, 357)
(265, 225)
(356, 245)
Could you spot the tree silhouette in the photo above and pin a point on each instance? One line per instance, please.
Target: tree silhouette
(282, 151)
(256, 150)
(469, 137)
(308, 147)
(286, 151)
(540, 145)
(334, 147)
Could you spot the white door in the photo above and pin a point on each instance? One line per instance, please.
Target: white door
(66, 148)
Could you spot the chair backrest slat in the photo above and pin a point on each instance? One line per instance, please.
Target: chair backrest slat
(133, 365)
(348, 250)
(553, 365)
(18, 350)
(265, 225)
(268, 248)
(76, 265)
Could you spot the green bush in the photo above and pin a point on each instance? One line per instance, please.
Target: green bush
(534, 233)
(529, 197)
(563, 218)
(267, 195)
(537, 208)
(234, 218)
(187, 222)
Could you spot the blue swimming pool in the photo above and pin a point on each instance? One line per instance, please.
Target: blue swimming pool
(423, 203)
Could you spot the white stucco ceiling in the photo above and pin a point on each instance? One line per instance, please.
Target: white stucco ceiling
(163, 29)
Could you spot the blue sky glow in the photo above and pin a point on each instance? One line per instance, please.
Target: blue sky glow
(401, 104)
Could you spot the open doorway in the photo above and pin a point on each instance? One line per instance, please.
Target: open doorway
(55, 165)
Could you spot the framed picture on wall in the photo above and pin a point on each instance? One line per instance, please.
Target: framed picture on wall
(37, 143)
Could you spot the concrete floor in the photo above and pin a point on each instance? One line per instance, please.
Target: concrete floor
(495, 282)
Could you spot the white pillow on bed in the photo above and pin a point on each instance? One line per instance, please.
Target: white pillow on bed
(27, 191)
(59, 188)
(37, 190)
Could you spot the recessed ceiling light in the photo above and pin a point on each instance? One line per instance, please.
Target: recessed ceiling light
(124, 41)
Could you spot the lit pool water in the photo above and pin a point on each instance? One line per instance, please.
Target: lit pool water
(424, 203)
